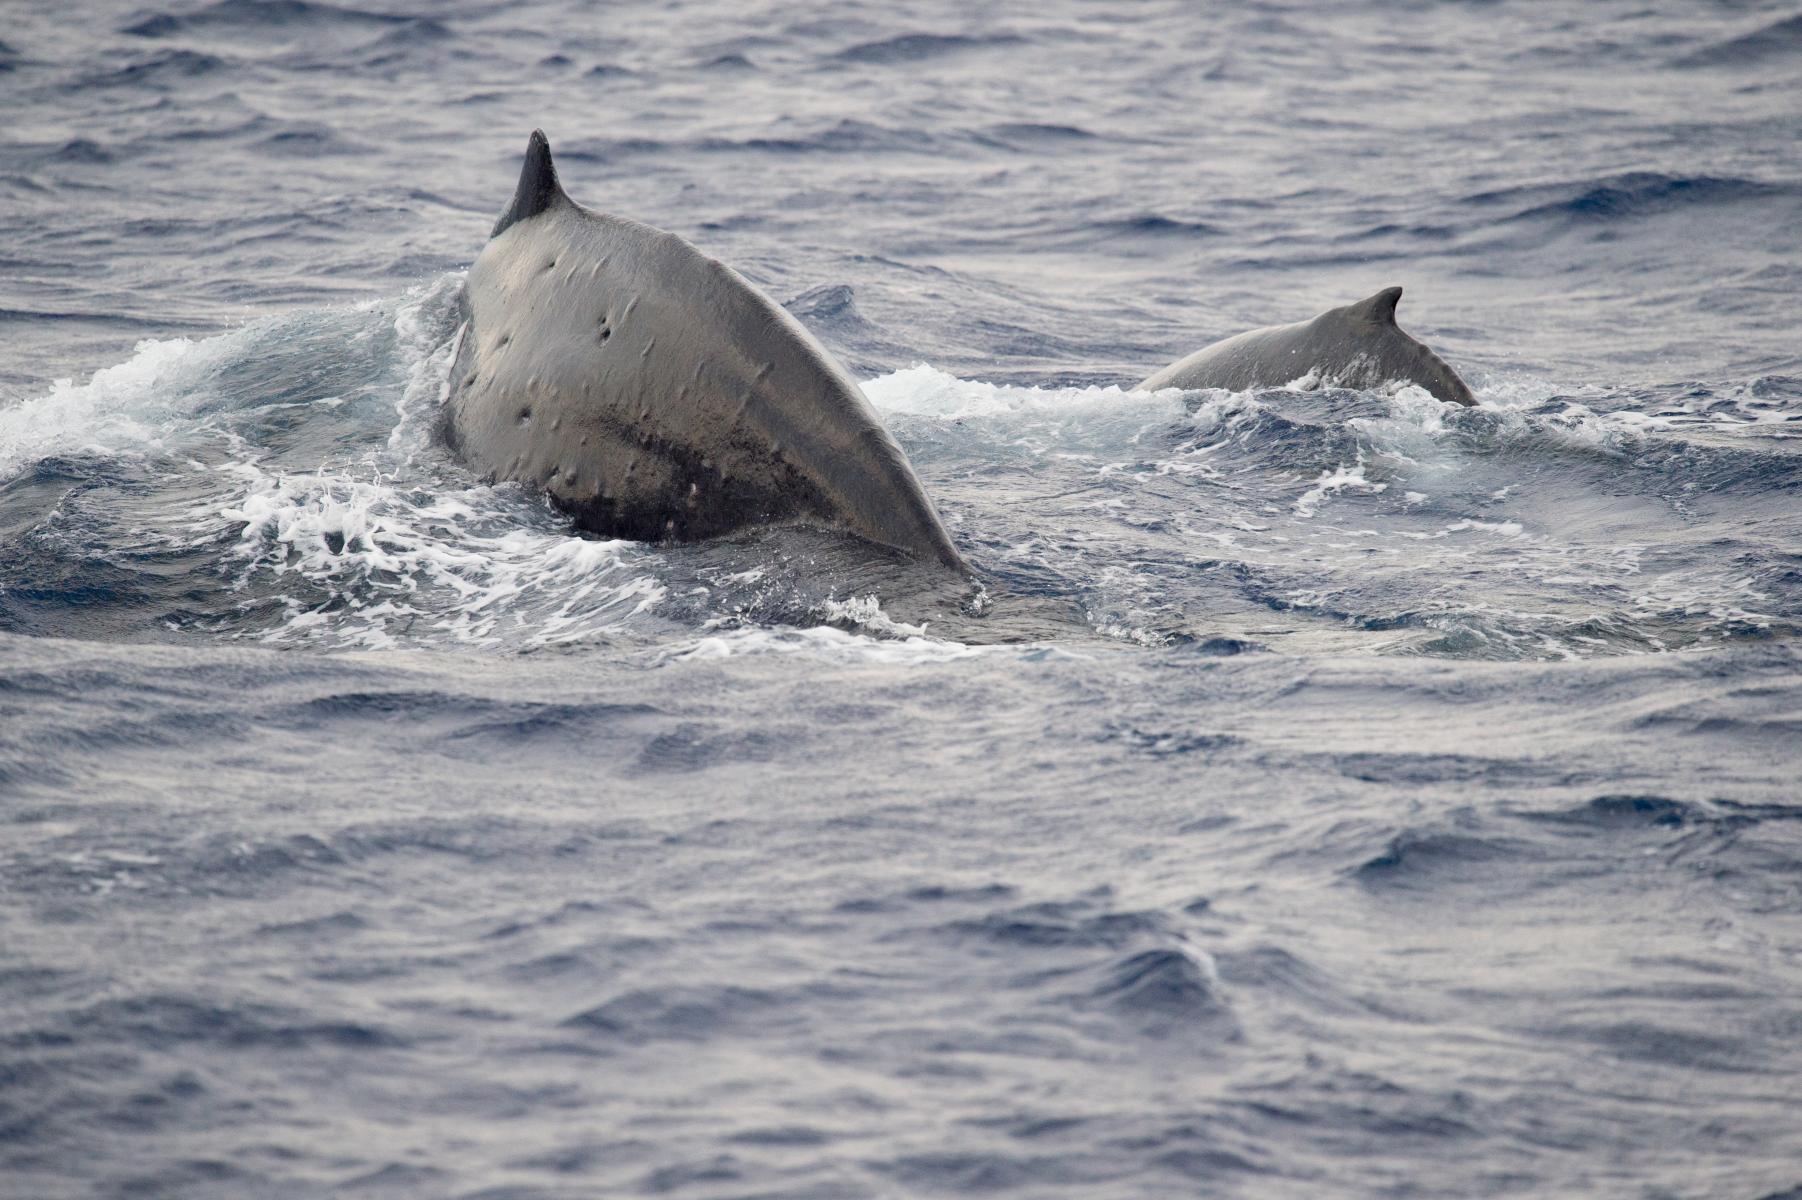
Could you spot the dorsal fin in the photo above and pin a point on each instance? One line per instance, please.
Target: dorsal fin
(538, 187)
(1378, 309)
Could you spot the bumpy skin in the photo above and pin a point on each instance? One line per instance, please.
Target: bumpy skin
(1358, 346)
(654, 393)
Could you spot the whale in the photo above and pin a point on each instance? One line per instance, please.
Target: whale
(1357, 346)
(653, 394)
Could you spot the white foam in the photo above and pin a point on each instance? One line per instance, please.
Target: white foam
(1341, 478)
(820, 641)
(355, 557)
(1215, 426)
(417, 330)
(125, 409)
(924, 391)
(865, 612)
(385, 559)
(1509, 529)
(1506, 393)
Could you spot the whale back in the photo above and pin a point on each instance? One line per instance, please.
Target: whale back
(654, 393)
(1357, 345)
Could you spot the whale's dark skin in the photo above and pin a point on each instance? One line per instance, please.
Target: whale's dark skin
(1357, 346)
(655, 394)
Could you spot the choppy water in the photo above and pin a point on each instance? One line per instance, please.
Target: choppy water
(1323, 793)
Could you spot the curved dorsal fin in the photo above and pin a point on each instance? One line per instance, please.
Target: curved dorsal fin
(1378, 309)
(538, 187)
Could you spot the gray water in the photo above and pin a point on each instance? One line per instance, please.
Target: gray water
(1316, 792)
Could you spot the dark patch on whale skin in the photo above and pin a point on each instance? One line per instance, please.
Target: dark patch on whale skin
(1357, 345)
(641, 522)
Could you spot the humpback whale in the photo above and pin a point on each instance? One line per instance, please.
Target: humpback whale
(1358, 345)
(653, 393)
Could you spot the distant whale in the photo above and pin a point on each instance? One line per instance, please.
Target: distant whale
(654, 394)
(1357, 346)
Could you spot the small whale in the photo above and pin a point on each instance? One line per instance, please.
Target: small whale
(654, 394)
(1357, 346)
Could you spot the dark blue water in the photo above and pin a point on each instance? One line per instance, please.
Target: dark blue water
(1323, 792)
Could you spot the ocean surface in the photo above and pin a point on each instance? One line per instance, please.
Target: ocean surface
(1315, 792)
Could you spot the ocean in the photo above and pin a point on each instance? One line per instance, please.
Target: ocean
(1313, 792)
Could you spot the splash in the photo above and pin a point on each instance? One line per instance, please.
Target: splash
(291, 467)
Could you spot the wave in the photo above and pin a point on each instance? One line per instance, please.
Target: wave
(1778, 40)
(1632, 194)
(916, 47)
(846, 135)
(1167, 992)
(257, 17)
(683, 1014)
(1037, 135)
(1152, 228)
(296, 35)
(163, 69)
(80, 150)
